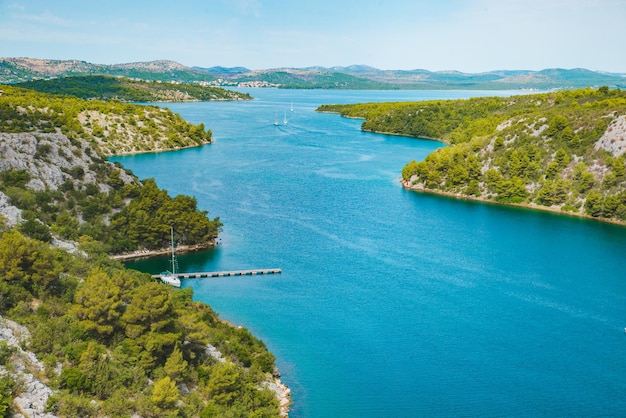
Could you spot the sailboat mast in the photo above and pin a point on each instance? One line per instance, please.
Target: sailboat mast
(173, 253)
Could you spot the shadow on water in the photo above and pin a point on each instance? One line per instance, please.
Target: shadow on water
(187, 262)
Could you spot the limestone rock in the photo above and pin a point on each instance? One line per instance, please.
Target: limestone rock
(614, 138)
(32, 400)
(12, 214)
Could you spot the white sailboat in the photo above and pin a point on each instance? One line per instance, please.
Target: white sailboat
(285, 119)
(167, 277)
(292, 106)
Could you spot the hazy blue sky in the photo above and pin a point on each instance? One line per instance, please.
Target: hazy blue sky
(465, 35)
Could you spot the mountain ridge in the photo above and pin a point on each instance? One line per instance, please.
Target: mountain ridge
(358, 76)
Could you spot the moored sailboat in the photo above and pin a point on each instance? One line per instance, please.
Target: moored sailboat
(168, 277)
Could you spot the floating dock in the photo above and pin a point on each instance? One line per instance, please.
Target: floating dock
(256, 272)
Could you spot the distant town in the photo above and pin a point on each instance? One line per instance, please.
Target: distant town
(229, 83)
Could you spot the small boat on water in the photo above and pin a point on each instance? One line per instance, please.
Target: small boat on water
(168, 277)
(285, 119)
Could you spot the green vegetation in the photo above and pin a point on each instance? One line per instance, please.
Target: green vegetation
(145, 221)
(114, 341)
(128, 217)
(96, 199)
(125, 343)
(126, 90)
(557, 150)
(110, 127)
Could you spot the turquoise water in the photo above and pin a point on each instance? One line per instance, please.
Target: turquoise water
(394, 303)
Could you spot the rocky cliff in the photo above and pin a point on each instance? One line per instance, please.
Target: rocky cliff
(51, 161)
(26, 370)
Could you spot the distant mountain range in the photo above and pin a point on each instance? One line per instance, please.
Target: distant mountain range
(15, 70)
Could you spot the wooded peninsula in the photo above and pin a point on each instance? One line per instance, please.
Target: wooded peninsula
(561, 151)
(80, 334)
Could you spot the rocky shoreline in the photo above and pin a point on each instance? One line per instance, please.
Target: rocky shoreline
(135, 255)
(283, 394)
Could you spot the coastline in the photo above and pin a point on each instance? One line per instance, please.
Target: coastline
(281, 390)
(532, 206)
(134, 255)
(382, 132)
(159, 150)
(554, 210)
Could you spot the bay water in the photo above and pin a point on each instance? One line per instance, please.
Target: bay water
(394, 303)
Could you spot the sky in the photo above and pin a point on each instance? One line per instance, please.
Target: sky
(471, 36)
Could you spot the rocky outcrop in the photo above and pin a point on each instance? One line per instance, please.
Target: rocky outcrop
(26, 370)
(283, 394)
(11, 214)
(51, 159)
(43, 156)
(614, 139)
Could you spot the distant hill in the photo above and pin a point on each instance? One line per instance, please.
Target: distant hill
(218, 71)
(501, 79)
(311, 79)
(127, 90)
(15, 70)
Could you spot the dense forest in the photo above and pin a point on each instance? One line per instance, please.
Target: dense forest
(128, 217)
(559, 151)
(114, 342)
(75, 191)
(127, 90)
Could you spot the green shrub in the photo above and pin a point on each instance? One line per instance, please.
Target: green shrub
(7, 389)
(5, 352)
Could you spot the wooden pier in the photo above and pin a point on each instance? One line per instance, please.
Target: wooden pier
(231, 273)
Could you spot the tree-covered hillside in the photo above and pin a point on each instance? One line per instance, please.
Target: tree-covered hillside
(110, 127)
(115, 343)
(127, 90)
(558, 151)
(107, 342)
(53, 172)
